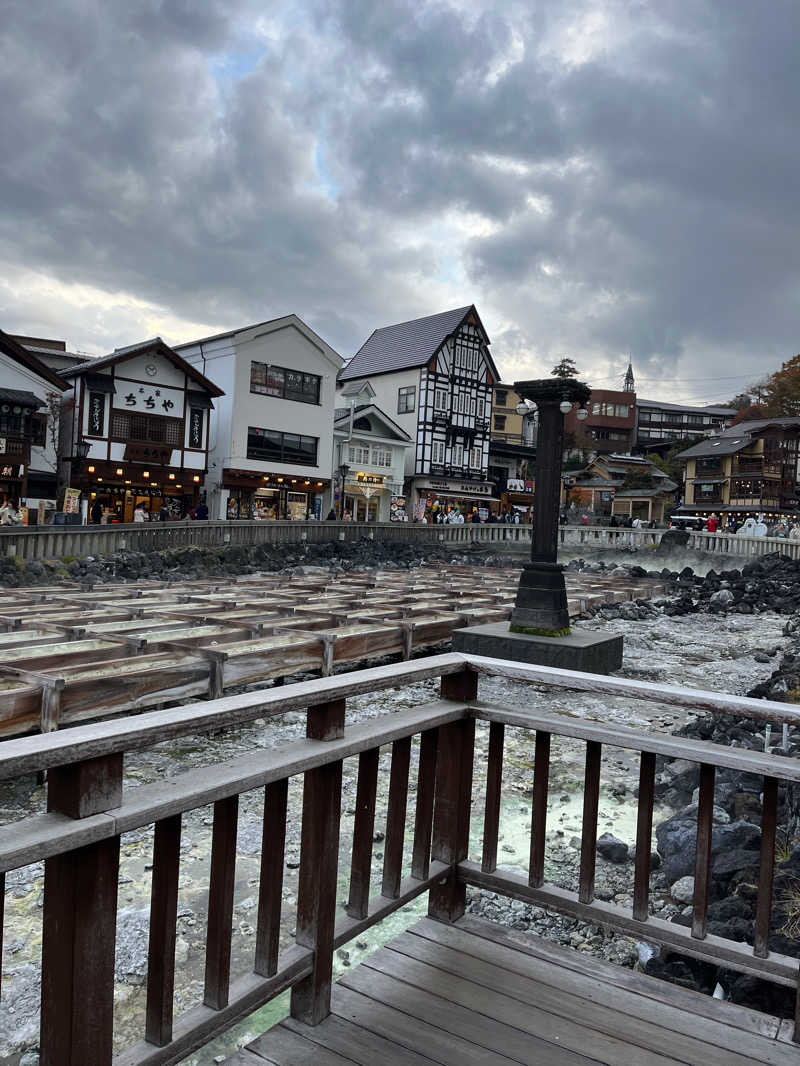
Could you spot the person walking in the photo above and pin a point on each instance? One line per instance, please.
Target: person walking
(96, 513)
(140, 514)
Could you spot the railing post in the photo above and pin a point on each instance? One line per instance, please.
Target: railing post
(79, 923)
(453, 800)
(319, 861)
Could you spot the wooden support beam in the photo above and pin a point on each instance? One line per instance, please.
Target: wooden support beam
(270, 888)
(644, 836)
(79, 928)
(491, 817)
(220, 903)
(317, 882)
(541, 782)
(702, 868)
(396, 818)
(163, 918)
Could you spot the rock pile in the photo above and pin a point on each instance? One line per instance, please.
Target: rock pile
(186, 563)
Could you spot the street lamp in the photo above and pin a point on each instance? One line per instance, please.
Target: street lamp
(82, 449)
(344, 470)
(541, 603)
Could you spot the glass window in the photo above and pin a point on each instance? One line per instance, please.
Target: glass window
(621, 410)
(440, 400)
(405, 399)
(644, 416)
(595, 408)
(475, 459)
(458, 455)
(501, 397)
(39, 430)
(438, 451)
(270, 445)
(283, 383)
(500, 422)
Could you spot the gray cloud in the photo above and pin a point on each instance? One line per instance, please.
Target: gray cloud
(599, 178)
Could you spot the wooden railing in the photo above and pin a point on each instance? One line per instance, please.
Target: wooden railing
(88, 809)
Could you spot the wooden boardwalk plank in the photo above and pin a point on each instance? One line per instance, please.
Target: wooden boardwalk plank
(527, 948)
(473, 993)
(596, 1006)
(457, 1021)
(513, 1001)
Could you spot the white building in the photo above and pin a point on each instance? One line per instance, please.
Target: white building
(434, 376)
(272, 435)
(369, 458)
(142, 414)
(30, 396)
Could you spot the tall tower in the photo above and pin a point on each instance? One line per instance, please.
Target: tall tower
(629, 385)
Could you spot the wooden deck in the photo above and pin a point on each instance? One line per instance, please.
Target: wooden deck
(476, 994)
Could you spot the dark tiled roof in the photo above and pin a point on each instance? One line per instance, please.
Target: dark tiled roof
(716, 446)
(688, 408)
(23, 399)
(404, 345)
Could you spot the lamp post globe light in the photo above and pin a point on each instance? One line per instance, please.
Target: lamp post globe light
(541, 603)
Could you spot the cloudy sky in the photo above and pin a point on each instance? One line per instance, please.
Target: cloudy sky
(600, 177)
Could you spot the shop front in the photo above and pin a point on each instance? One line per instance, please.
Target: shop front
(272, 497)
(119, 488)
(435, 495)
(369, 497)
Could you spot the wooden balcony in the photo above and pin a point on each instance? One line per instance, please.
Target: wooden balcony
(17, 451)
(451, 991)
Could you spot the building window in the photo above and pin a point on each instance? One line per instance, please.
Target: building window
(152, 429)
(358, 454)
(472, 405)
(39, 430)
(500, 422)
(273, 446)
(621, 410)
(596, 408)
(458, 455)
(381, 457)
(501, 398)
(475, 458)
(283, 383)
(440, 399)
(196, 421)
(405, 399)
(97, 414)
(438, 452)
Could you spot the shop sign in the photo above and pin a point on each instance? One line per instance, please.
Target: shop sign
(148, 399)
(470, 489)
(12, 471)
(369, 479)
(147, 453)
(97, 411)
(515, 484)
(72, 501)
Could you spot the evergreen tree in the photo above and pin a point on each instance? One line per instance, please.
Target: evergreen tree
(565, 369)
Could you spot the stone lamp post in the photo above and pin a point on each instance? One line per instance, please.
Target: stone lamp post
(541, 604)
(539, 631)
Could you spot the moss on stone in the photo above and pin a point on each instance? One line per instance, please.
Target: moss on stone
(532, 632)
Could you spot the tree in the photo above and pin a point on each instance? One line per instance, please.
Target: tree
(565, 369)
(780, 393)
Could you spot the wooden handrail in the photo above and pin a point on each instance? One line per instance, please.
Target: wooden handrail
(88, 811)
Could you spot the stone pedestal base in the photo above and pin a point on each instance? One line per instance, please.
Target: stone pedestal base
(541, 601)
(584, 650)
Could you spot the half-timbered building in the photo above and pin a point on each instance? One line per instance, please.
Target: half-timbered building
(142, 417)
(434, 375)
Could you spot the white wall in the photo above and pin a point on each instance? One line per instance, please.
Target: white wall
(386, 388)
(15, 376)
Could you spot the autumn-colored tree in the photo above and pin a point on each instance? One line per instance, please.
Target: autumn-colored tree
(780, 393)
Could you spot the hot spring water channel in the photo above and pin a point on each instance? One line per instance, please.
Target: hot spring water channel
(703, 651)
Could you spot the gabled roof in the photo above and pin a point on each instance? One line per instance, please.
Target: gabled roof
(408, 344)
(341, 419)
(270, 326)
(155, 344)
(717, 446)
(14, 350)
